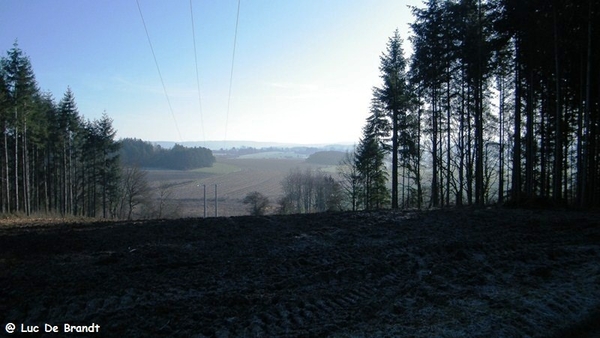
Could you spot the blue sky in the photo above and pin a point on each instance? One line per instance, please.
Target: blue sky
(303, 70)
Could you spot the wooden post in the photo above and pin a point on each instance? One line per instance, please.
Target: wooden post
(216, 203)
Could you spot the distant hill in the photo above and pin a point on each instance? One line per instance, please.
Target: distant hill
(331, 157)
(219, 145)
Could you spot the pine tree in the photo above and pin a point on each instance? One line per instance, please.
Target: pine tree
(4, 118)
(52, 160)
(109, 166)
(369, 159)
(22, 89)
(395, 96)
(427, 71)
(68, 124)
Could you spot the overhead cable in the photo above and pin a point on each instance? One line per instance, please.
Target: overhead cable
(237, 19)
(197, 73)
(158, 69)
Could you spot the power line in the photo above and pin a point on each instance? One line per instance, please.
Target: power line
(237, 19)
(158, 69)
(197, 74)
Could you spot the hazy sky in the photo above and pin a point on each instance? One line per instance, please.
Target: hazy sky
(303, 71)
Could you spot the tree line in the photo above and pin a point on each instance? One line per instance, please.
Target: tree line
(499, 102)
(135, 152)
(52, 160)
(309, 191)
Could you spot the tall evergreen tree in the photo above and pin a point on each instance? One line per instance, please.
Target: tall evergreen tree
(427, 73)
(370, 159)
(395, 96)
(109, 165)
(22, 89)
(4, 118)
(68, 124)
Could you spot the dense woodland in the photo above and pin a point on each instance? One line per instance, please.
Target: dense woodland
(135, 152)
(499, 103)
(52, 160)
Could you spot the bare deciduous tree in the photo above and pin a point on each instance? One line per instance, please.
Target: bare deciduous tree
(309, 192)
(257, 203)
(135, 190)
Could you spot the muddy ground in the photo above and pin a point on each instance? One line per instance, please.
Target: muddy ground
(476, 273)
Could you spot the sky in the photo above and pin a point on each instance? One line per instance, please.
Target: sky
(303, 70)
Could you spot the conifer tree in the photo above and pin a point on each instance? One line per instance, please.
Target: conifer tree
(4, 111)
(395, 97)
(22, 90)
(370, 159)
(68, 124)
(109, 168)
(52, 160)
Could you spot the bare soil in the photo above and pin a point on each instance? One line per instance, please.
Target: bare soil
(445, 273)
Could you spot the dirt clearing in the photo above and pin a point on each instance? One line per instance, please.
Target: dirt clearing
(479, 273)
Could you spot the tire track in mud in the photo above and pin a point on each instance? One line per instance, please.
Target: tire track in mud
(348, 282)
(312, 297)
(310, 285)
(506, 266)
(444, 273)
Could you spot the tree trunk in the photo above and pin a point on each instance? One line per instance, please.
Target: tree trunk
(461, 144)
(529, 141)
(583, 140)
(16, 162)
(434, 179)
(558, 145)
(394, 159)
(516, 170)
(448, 131)
(469, 150)
(418, 160)
(25, 169)
(6, 168)
(501, 141)
(479, 189)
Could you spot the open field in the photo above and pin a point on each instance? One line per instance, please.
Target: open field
(445, 273)
(219, 168)
(234, 179)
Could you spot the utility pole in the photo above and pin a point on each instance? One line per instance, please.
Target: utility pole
(204, 205)
(204, 186)
(216, 203)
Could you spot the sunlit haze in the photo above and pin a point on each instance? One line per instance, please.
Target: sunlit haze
(303, 70)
